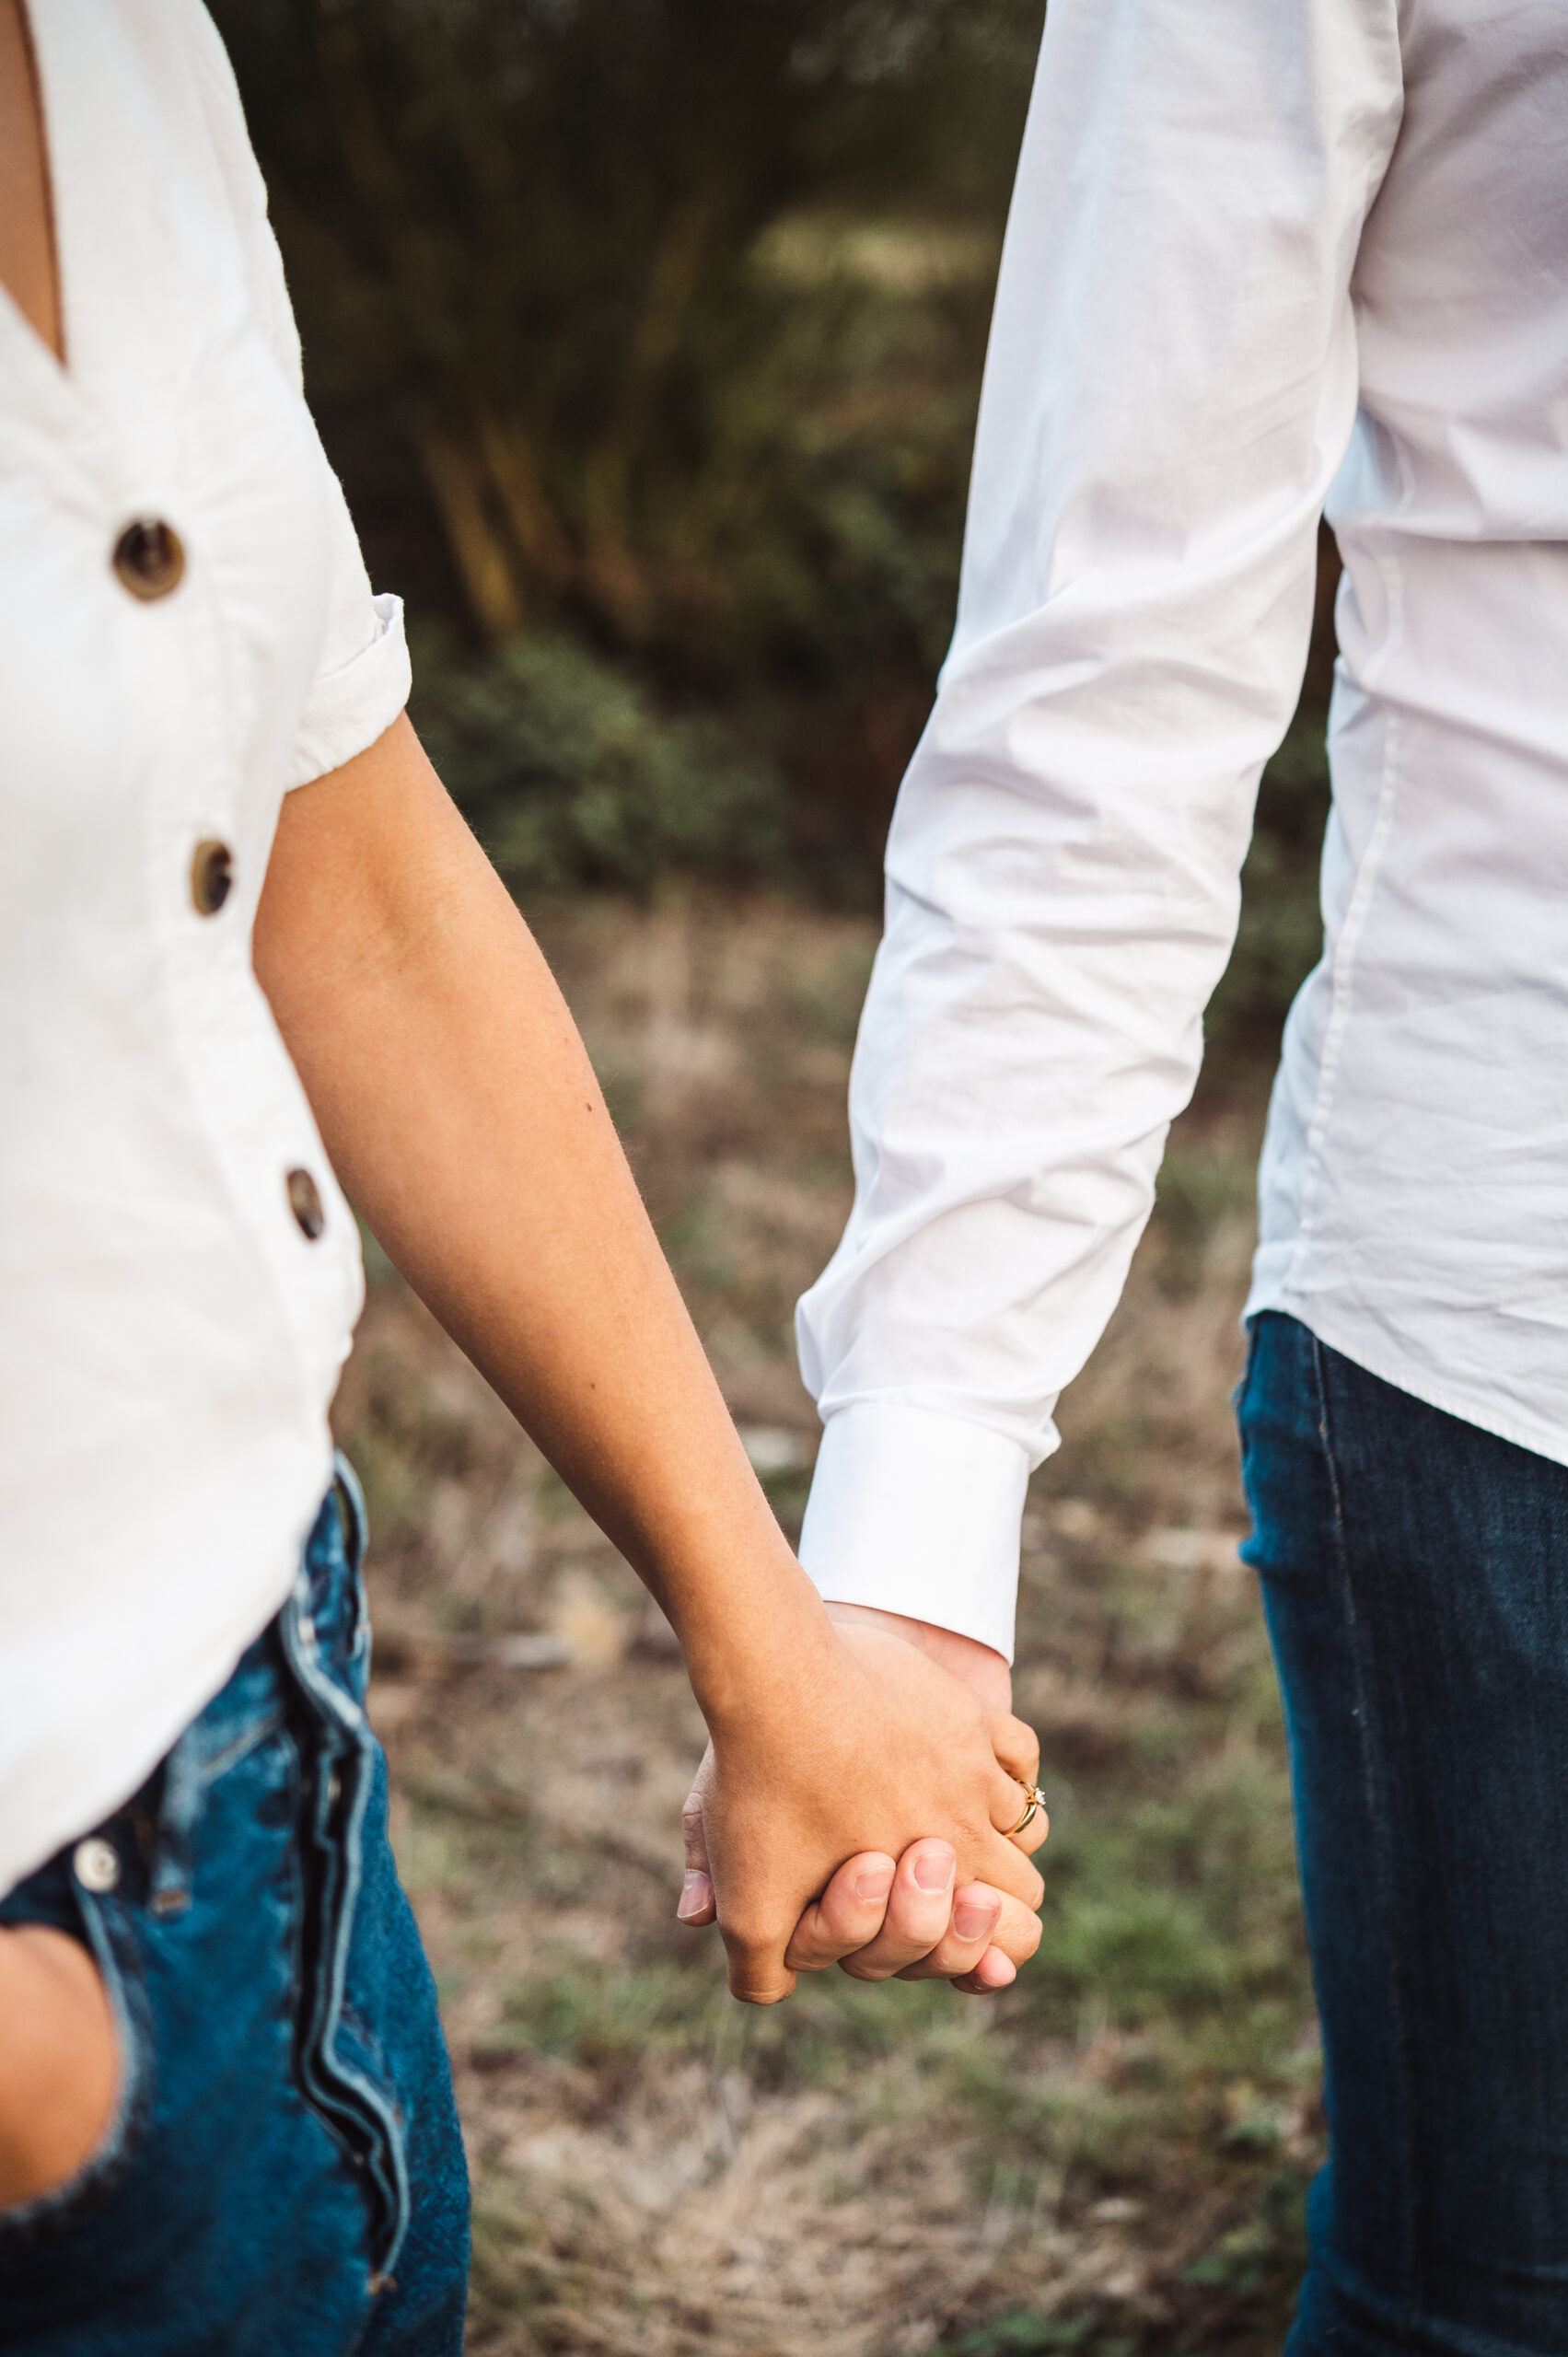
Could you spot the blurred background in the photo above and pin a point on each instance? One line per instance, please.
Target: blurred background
(647, 336)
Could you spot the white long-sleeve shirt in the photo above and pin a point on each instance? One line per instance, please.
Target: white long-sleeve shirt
(1264, 257)
(186, 631)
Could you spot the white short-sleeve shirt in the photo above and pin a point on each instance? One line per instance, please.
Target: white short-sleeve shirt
(186, 632)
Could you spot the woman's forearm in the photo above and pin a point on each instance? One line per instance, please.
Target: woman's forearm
(460, 1110)
(457, 1103)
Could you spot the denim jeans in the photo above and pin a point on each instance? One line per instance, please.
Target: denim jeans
(285, 2176)
(1415, 1579)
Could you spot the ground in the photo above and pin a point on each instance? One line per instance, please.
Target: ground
(1110, 2157)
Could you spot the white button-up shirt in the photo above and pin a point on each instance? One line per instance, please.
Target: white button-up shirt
(172, 1335)
(1263, 255)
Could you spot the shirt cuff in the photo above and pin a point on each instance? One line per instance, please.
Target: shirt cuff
(918, 1512)
(351, 707)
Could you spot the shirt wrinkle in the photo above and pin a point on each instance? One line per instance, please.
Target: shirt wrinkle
(1261, 263)
(173, 1338)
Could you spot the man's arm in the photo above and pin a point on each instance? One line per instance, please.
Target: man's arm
(1170, 385)
(460, 1107)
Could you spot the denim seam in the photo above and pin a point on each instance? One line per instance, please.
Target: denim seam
(346, 1721)
(1377, 1814)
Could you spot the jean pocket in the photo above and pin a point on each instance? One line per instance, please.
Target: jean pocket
(107, 1929)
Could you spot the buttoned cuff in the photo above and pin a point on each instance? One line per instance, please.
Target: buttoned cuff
(918, 1512)
(351, 707)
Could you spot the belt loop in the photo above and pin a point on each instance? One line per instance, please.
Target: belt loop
(351, 1509)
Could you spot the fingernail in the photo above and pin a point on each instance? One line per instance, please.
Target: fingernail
(934, 1869)
(695, 1892)
(873, 1884)
(974, 1918)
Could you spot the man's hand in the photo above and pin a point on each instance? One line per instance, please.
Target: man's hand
(59, 2062)
(879, 1916)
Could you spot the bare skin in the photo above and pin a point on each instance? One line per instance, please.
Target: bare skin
(459, 1107)
(876, 1917)
(457, 1103)
(28, 268)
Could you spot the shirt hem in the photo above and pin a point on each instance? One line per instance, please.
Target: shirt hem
(351, 707)
(1413, 1377)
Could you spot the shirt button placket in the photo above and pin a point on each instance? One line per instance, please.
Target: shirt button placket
(305, 1202)
(148, 559)
(212, 875)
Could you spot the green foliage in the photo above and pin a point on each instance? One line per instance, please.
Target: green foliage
(827, 2035)
(1265, 2255)
(1201, 1186)
(1174, 1906)
(532, 239)
(1280, 936)
(1031, 2335)
(656, 327)
(570, 775)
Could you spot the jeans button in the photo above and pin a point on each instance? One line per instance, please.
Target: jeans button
(96, 1863)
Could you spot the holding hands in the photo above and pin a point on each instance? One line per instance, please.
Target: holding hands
(930, 1733)
(859, 1801)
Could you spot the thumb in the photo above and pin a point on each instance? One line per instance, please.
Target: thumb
(695, 1905)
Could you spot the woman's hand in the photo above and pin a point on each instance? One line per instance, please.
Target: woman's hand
(866, 1748)
(879, 1916)
(59, 2062)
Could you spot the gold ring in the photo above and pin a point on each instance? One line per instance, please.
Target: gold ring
(1036, 1803)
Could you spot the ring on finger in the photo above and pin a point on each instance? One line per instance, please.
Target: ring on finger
(1036, 1802)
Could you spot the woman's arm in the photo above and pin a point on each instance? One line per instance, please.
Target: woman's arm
(459, 1106)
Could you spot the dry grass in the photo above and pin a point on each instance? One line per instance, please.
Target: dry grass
(1110, 2157)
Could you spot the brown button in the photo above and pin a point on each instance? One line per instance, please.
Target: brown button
(149, 559)
(305, 1202)
(212, 875)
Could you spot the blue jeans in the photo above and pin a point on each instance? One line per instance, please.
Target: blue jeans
(285, 2177)
(1415, 1580)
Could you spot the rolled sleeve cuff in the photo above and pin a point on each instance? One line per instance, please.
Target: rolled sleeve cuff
(350, 707)
(918, 1512)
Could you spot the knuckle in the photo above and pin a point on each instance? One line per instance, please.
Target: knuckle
(755, 1939)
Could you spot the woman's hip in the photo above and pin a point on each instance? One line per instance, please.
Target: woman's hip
(284, 2168)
